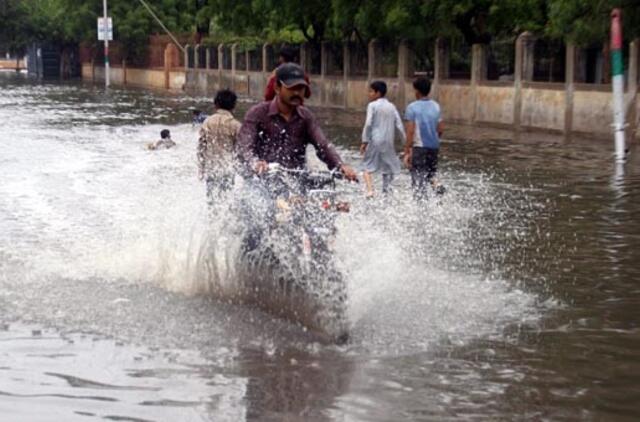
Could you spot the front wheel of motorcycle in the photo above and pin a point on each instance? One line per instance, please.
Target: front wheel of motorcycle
(335, 307)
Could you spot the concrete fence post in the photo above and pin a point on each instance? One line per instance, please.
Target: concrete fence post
(234, 48)
(304, 56)
(196, 56)
(523, 71)
(220, 64)
(528, 57)
(346, 70)
(207, 58)
(186, 57)
(479, 62)
(324, 67)
(247, 67)
(220, 57)
(265, 58)
(569, 82)
(404, 66)
(441, 65)
(168, 63)
(372, 60)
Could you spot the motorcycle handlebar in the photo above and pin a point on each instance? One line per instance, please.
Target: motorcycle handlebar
(329, 174)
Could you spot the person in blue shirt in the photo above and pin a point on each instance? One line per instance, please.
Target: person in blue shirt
(198, 117)
(423, 123)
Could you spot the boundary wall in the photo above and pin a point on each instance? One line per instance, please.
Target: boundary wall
(516, 102)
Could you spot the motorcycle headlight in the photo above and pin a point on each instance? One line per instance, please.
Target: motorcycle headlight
(343, 206)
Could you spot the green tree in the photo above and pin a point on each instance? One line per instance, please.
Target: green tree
(477, 21)
(270, 18)
(14, 26)
(587, 21)
(132, 22)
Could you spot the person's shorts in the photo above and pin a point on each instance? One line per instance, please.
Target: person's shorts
(424, 161)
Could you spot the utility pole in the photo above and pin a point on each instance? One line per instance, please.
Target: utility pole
(106, 44)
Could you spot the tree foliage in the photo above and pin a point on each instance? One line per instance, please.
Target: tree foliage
(74, 21)
(586, 22)
(14, 31)
(254, 21)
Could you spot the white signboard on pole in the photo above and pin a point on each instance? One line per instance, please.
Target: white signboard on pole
(105, 29)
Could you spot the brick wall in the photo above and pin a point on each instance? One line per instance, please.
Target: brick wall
(154, 56)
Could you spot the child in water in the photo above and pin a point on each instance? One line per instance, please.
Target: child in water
(165, 141)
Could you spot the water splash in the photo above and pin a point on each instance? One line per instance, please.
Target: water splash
(98, 205)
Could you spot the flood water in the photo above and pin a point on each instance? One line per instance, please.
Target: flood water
(516, 297)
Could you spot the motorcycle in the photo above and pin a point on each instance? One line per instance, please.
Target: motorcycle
(289, 265)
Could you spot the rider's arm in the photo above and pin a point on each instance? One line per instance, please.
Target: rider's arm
(247, 135)
(324, 149)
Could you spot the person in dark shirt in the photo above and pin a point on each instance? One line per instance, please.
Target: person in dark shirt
(278, 131)
(198, 117)
(287, 55)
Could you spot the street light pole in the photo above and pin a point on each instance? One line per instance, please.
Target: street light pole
(106, 44)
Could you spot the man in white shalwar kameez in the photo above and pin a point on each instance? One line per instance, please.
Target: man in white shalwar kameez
(378, 136)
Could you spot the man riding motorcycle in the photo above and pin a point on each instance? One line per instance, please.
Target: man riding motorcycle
(275, 134)
(278, 131)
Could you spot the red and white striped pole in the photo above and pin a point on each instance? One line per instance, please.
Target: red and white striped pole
(617, 66)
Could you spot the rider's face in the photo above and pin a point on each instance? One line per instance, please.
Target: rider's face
(291, 96)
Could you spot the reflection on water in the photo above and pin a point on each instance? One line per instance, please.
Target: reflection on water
(48, 376)
(514, 297)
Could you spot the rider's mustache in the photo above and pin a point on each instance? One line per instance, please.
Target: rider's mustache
(299, 98)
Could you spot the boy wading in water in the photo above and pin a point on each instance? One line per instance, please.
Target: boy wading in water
(165, 141)
(378, 136)
(424, 128)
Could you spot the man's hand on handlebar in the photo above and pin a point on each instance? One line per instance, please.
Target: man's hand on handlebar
(261, 167)
(349, 173)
